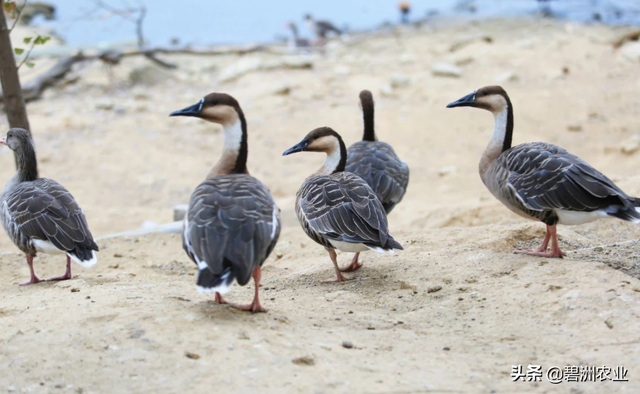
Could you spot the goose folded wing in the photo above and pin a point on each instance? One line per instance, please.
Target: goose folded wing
(47, 211)
(231, 226)
(559, 180)
(391, 180)
(345, 208)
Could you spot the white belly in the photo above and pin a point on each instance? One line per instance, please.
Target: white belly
(45, 247)
(349, 247)
(572, 218)
(48, 248)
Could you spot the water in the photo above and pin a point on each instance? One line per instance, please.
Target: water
(242, 21)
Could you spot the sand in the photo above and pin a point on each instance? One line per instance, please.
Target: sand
(451, 313)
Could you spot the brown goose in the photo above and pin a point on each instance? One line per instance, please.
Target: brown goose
(40, 215)
(541, 181)
(338, 209)
(232, 223)
(377, 163)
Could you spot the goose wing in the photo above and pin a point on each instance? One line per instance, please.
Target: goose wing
(45, 210)
(342, 207)
(233, 223)
(326, 26)
(377, 163)
(547, 177)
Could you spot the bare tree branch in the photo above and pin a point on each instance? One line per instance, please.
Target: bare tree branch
(33, 44)
(15, 22)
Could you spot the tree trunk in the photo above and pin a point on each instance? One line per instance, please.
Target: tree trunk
(11, 89)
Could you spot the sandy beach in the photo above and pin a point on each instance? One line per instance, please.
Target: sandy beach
(452, 313)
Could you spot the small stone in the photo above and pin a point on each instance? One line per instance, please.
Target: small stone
(386, 90)
(574, 127)
(347, 344)
(631, 51)
(407, 58)
(447, 170)
(508, 76)
(399, 80)
(405, 286)
(342, 70)
(446, 348)
(149, 75)
(75, 290)
(434, 289)
(282, 90)
(304, 360)
(104, 105)
(631, 145)
(463, 61)
(554, 288)
(609, 324)
(446, 70)
(192, 356)
(179, 212)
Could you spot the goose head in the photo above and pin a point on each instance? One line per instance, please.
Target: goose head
(326, 140)
(322, 139)
(218, 108)
(491, 98)
(16, 139)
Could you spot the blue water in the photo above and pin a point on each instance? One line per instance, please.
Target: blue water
(242, 21)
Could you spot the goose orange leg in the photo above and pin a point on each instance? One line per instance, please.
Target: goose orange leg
(67, 274)
(334, 259)
(255, 304)
(354, 266)
(542, 250)
(34, 279)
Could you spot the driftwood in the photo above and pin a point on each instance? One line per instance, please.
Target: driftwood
(32, 90)
(633, 35)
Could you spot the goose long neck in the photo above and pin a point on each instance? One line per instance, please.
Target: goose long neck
(235, 150)
(501, 138)
(294, 31)
(27, 163)
(368, 118)
(336, 159)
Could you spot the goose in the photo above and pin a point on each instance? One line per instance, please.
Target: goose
(295, 42)
(541, 181)
(377, 163)
(338, 209)
(232, 223)
(40, 215)
(321, 28)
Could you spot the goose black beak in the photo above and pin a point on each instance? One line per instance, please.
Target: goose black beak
(299, 147)
(466, 101)
(193, 110)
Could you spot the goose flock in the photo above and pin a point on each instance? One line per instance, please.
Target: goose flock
(233, 223)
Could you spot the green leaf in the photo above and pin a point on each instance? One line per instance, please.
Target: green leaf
(26, 40)
(18, 51)
(30, 64)
(41, 40)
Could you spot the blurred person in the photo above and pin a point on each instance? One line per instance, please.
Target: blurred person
(405, 10)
